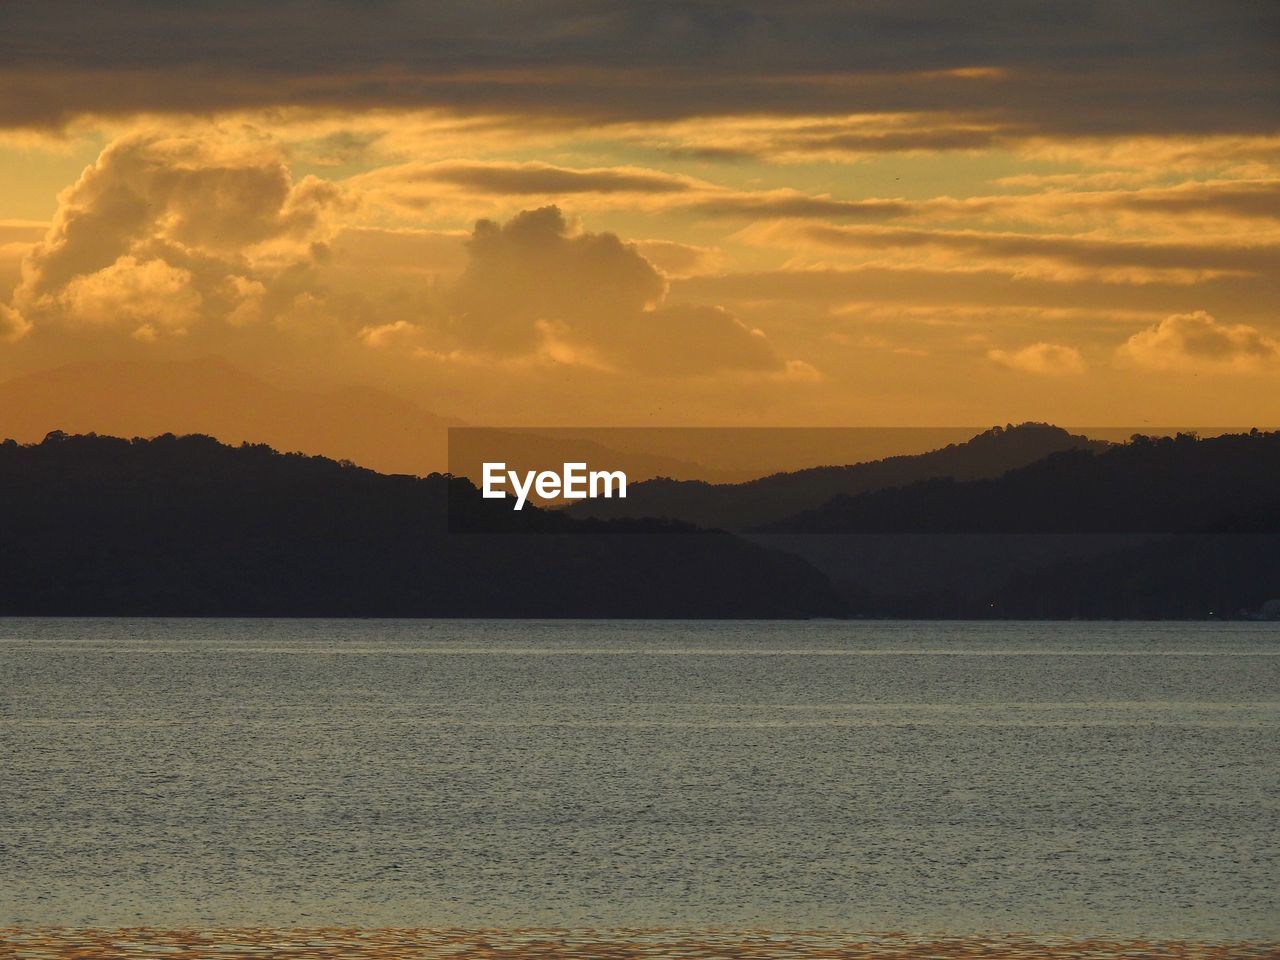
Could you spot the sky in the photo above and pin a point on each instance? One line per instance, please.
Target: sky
(555, 212)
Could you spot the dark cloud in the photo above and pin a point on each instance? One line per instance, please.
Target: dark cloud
(1023, 65)
(711, 154)
(1250, 199)
(1083, 252)
(517, 179)
(893, 142)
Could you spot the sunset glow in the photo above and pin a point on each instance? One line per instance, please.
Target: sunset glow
(671, 213)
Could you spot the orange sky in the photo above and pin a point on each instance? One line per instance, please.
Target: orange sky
(696, 212)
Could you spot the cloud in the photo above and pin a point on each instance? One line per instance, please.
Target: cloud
(935, 140)
(532, 268)
(146, 296)
(807, 288)
(390, 334)
(684, 339)
(532, 283)
(1237, 201)
(163, 233)
(377, 256)
(1198, 341)
(1059, 255)
(1023, 67)
(13, 326)
(21, 232)
(1046, 359)
(798, 136)
(520, 179)
(1244, 154)
(216, 243)
(678, 260)
(791, 203)
(460, 188)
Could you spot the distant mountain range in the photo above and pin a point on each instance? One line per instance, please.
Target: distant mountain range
(213, 396)
(186, 526)
(1226, 484)
(1155, 528)
(1170, 527)
(758, 503)
(375, 428)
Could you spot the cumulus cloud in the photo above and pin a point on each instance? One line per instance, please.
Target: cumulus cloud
(532, 268)
(146, 296)
(533, 282)
(209, 240)
(1045, 359)
(161, 233)
(1192, 341)
(13, 326)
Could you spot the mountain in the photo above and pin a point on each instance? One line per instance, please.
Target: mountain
(533, 448)
(1182, 484)
(756, 503)
(1189, 576)
(212, 396)
(187, 526)
(1156, 528)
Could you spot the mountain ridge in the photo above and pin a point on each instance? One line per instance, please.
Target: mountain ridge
(214, 397)
(188, 526)
(751, 504)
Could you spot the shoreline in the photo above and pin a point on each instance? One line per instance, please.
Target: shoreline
(315, 943)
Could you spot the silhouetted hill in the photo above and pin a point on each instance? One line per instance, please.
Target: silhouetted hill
(1229, 483)
(1156, 528)
(1190, 576)
(214, 397)
(524, 449)
(756, 503)
(188, 526)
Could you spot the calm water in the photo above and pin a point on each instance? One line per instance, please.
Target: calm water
(1112, 779)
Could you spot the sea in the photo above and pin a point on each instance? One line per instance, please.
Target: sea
(964, 779)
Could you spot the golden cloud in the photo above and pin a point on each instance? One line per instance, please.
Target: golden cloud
(1051, 255)
(1045, 359)
(533, 285)
(678, 260)
(455, 186)
(13, 326)
(148, 297)
(163, 232)
(1198, 341)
